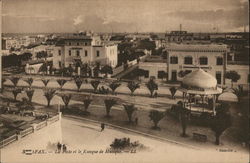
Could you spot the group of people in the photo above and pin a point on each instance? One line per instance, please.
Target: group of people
(61, 147)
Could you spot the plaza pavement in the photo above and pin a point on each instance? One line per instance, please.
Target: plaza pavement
(85, 136)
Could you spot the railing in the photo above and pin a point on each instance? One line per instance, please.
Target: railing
(41, 125)
(8, 140)
(53, 119)
(26, 131)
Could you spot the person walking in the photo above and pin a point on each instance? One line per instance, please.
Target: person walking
(102, 126)
(136, 121)
(64, 148)
(59, 146)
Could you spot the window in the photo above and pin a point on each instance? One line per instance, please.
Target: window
(77, 43)
(77, 53)
(69, 52)
(69, 43)
(59, 52)
(97, 53)
(85, 43)
(188, 60)
(146, 74)
(60, 64)
(86, 53)
(219, 61)
(218, 77)
(174, 60)
(203, 61)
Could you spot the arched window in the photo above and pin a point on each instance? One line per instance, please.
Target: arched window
(77, 53)
(188, 60)
(174, 60)
(203, 61)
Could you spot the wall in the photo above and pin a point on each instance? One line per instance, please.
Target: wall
(153, 68)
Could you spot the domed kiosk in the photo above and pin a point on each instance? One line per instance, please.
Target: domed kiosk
(199, 91)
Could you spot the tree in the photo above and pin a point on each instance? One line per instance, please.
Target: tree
(15, 92)
(49, 94)
(29, 92)
(182, 73)
(45, 82)
(66, 99)
(156, 116)
(184, 117)
(114, 85)
(172, 90)
(86, 102)
(14, 80)
(96, 69)
(238, 92)
(233, 76)
(140, 73)
(221, 121)
(78, 82)
(61, 82)
(3, 81)
(152, 86)
(133, 86)
(108, 105)
(95, 84)
(24, 105)
(129, 108)
(106, 70)
(43, 68)
(29, 81)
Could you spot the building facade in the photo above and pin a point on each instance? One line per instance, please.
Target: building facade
(184, 58)
(84, 49)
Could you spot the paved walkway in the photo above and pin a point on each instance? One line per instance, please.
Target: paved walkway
(82, 137)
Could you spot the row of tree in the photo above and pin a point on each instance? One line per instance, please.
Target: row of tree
(132, 85)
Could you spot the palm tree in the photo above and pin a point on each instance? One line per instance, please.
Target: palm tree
(221, 121)
(78, 82)
(133, 86)
(66, 99)
(95, 84)
(29, 81)
(108, 105)
(29, 93)
(114, 85)
(87, 101)
(61, 82)
(233, 76)
(156, 116)
(152, 86)
(15, 92)
(49, 94)
(45, 82)
(129, 108)
(14, 80)
(184, 117)
(172, 90)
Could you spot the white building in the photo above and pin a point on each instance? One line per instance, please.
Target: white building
(72, 49)
(188, 57)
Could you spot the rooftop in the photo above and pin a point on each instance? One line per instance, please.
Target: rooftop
(198, 47)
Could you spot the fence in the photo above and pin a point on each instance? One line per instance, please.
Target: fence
(41, 125)
(8, 140)
(26, 131)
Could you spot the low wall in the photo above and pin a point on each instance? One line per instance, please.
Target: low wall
(34, 127)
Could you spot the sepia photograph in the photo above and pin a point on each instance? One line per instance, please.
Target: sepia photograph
(124, 81)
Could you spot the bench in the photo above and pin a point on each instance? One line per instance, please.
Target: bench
(200, 137)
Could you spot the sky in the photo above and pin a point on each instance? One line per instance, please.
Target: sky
(46, 16)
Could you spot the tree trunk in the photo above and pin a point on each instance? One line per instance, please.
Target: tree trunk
(48, 103)
(217, 140)
(108, 111)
